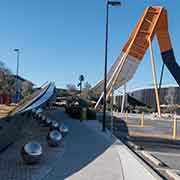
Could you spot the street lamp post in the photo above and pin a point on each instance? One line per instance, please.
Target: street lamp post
(108, 3)
(17, 74)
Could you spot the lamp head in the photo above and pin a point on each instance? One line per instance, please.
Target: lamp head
(114, 3)
(16, 50)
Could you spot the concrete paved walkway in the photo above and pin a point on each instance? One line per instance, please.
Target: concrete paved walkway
(91, 154)
(86, 153)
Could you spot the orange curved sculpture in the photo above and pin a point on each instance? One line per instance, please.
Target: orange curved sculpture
(154, 21)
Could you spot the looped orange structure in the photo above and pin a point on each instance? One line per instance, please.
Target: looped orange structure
(154, 21)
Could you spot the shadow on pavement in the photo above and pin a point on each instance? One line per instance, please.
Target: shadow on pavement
(83, 145)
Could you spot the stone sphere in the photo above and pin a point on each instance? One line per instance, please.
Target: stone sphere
(33, 110)
(39, 110)
(31, 152)
(43, 120)
(54, 125)
(34, 113)
(39, 116)
(64, 130)
(48, 122)
(54, 138)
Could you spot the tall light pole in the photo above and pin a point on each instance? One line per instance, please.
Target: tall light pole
(108, 3)
(17, 74)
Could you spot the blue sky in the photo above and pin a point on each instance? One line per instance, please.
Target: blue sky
(61, 39)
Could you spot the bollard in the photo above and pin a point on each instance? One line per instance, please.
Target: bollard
(174, 126)
(172, 118)
(83, 114)
(126, 116)
(142, 119)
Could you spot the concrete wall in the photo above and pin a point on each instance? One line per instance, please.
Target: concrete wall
(169, 95)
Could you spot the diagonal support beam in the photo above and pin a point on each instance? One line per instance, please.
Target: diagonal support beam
(155, 78)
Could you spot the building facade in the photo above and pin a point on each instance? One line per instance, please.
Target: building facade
(168, 96)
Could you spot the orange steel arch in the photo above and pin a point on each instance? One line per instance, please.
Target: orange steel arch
(154, 21)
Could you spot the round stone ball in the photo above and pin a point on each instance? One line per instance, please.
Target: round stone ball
(48, 122)
(31, 152)
(54, 138)
(39, 110)
(54, 125)
(43, 120)
(64, 130)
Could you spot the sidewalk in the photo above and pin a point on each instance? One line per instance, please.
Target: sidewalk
(86, 153)
(93, 155)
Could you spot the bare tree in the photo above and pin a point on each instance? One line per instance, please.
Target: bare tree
(86, 89)
(7, 82)
(71, 88)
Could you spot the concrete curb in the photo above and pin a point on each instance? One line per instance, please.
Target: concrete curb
(134, 146)
(151, 170)
(156, 161)
(173, 174)
(118, 142)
